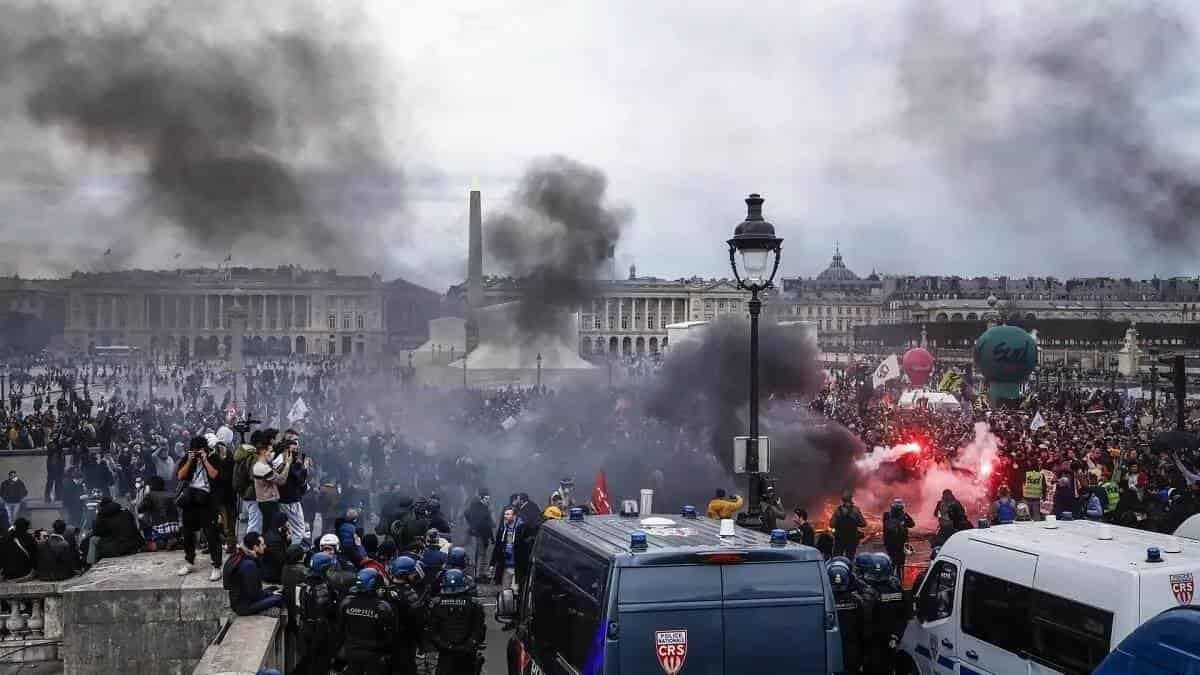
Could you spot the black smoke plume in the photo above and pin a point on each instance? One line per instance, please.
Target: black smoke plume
(704, 385)
(556, 237)
(1057, 115)
(252, 127)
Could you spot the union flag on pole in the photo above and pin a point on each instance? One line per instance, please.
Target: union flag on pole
(600, 504)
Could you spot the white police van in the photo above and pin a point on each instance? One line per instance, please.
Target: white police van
(1042, 597)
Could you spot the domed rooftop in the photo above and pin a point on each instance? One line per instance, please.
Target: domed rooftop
(837, 270)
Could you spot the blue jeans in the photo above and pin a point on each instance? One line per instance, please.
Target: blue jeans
(272, 600)
(13, 511)
(296, 525)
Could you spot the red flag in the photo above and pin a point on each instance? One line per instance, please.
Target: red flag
(600, 504)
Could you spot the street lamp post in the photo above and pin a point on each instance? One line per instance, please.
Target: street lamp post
(1154, 382)
(539, 372)
(754, 238)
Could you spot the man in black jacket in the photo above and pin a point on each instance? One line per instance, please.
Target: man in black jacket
(19, 552)
(242, 580)
(292, 491)
(480, 527)
(72, 494)
(57, 557)
(224, 495)
(115, 534)
(13, 492)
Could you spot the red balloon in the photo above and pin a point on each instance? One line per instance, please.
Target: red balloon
(917, 364)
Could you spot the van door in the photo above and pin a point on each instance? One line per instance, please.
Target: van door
(935, 645)
(995, 623)
(669, 616)
(775, 618)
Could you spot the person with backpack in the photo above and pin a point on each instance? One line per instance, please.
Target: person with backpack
(896, 524)
(241, 578)
(1093, 499)
(19, 552)
(846, 524)
(1004, 509)
(316, 612)
(243, 482)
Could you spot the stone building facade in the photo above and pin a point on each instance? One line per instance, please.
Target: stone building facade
(291, 311)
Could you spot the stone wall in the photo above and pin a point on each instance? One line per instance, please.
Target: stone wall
(133, 615)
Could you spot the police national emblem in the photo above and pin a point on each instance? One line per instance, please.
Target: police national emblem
(671, 647)
(1184, 587)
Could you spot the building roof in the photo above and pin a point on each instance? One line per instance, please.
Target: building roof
(837, 270)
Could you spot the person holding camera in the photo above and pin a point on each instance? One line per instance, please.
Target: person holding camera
(293, 490)
(269, 473)
(196, 473)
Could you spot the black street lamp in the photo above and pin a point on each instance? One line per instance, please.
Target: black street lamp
(754, 238)
(539, 371)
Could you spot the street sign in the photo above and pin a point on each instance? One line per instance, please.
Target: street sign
(739, 454)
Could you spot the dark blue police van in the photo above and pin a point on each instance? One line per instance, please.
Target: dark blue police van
(615, 595)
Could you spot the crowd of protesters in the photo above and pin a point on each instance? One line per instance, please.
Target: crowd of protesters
(1059, 447)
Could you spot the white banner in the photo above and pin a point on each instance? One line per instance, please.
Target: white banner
(299, 410)
(1037, 422)
(887, 371)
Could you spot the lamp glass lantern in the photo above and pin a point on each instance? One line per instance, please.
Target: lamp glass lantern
(754, 239)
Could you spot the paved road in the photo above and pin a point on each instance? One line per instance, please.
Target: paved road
(497, 640)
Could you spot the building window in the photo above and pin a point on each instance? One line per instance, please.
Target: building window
(810, 312)
(612, 323)
(597, 322)
(332, 321)
(624, 322)
(650, 322)
(346, 322)
(359, 321)
(839, 324)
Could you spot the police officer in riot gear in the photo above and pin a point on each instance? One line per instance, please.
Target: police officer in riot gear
(406, 602)
(317, 610)
(456, 627)
(883, 616)
(457, 560)
(849, 610)
(368, 625)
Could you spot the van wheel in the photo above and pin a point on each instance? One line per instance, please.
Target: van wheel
(905, 665)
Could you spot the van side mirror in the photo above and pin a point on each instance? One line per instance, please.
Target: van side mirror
(506, 605)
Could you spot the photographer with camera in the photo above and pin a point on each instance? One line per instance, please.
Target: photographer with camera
(269, 472)
(196, 473)
(291, 492)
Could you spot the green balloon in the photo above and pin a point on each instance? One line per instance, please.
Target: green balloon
(1005, 355)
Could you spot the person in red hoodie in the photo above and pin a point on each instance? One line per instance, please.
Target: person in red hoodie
(370, 543)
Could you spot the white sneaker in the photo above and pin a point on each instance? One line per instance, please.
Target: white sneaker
(214, 575)
(185, 570)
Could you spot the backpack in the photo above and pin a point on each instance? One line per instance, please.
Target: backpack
(314, 602)
(242, 481)
(1006, 511)
(230, 571)
(894, 531)
(843, 520)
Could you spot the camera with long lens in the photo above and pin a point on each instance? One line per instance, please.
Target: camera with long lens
(243, 426)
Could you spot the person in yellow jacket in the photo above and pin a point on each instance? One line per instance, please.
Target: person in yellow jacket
(724, 507)
(554, 510)
(1032, 491)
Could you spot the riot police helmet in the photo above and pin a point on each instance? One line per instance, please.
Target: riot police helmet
(402, 565)
(320, 562)
(457, 559)
(862, 561)
(880, 568)
(454, 583)
(839, 574)
(368, 579)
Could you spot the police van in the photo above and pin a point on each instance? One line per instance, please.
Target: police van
(616, 595)
(1042, 597)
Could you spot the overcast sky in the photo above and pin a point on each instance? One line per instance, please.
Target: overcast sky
(689, 106)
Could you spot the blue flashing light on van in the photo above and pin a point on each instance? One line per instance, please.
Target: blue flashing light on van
(612, 595)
